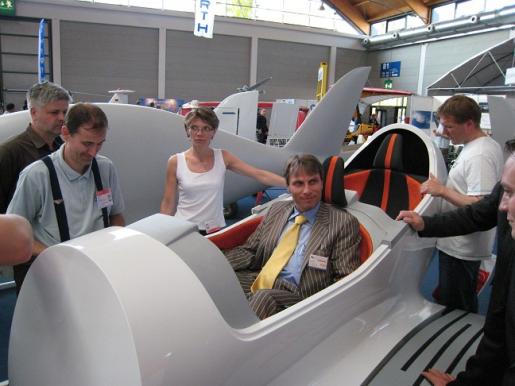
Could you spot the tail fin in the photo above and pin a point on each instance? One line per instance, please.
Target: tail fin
(323, 131)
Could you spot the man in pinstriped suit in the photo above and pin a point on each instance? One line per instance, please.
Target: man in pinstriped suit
(327, 247)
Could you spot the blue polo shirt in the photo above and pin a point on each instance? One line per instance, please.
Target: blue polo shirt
(33, 198)
(293, 270)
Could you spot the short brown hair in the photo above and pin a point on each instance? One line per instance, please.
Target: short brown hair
(306, 162)
(83, 113)
(205, 114)
(461, 108)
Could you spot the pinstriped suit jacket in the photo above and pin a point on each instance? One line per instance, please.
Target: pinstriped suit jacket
(335, 234)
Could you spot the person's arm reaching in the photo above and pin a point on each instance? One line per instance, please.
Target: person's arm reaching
(434, 187)
(265, 177)
(479, 216)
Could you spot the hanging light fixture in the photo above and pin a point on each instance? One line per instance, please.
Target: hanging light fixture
(322, 8)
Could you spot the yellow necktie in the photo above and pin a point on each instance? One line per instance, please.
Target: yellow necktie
(280, 257)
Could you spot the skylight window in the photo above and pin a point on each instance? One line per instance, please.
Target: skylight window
(311, 13)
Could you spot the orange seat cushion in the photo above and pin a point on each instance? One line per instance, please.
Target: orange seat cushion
(236, 236)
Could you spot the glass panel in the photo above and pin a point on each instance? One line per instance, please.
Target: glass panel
(156, 4)
(343, 26)
(296, 18)
(269, 5)
(240, 8)
(297, 12)
(396, 24)
(297, 6)
(470, 7)
(498, 4)
(116, 2)
(269, 15)
(378, 28)
(182, 6)
(413, 21)
(321, 22)
(443, 13)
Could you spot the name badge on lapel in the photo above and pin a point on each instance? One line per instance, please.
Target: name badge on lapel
(318, 262)
(104, 198)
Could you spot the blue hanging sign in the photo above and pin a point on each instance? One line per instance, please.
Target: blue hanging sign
(41, 52)
(390, 70)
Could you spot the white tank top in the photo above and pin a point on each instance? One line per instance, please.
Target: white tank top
(201, 194)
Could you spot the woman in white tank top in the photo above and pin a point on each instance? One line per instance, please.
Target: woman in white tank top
(195, 178)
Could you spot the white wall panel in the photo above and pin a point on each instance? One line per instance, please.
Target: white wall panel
(292, 66)
(347, 59)
(205, 69)
(96, 58)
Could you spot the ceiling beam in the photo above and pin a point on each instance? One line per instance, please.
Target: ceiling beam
(419, 8)
(345, 8)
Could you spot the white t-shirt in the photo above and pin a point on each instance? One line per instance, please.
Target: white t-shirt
(475, 172)
(201, 195)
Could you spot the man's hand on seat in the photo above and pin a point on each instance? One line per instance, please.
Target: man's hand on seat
(412, 218)
(437, 378)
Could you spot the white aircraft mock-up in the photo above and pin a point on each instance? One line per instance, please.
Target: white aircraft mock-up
(120, 96)
(157, 304)
(140, 140)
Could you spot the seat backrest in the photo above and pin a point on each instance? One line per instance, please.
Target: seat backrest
(334, 189)
(334, 193)
(386, 184)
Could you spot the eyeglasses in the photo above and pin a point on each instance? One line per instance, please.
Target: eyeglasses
(203, 129)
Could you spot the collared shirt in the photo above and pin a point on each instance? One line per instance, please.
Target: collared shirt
(293, 270)
(33, 198)
(15, 155)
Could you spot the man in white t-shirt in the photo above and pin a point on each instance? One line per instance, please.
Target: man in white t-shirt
(473, 175)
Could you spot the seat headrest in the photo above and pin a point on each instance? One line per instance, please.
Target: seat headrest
(389, 154)
(334, 190)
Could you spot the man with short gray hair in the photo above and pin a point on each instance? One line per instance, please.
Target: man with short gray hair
(48, 104)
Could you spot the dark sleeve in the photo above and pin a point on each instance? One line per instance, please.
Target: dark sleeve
(480, 216)
(8, 178)
(488, 365)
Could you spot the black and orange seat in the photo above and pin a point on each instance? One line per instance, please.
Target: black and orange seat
(386, 184)
(334, 193)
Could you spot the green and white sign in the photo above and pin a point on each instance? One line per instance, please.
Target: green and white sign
(388, 84)
(7, 7)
